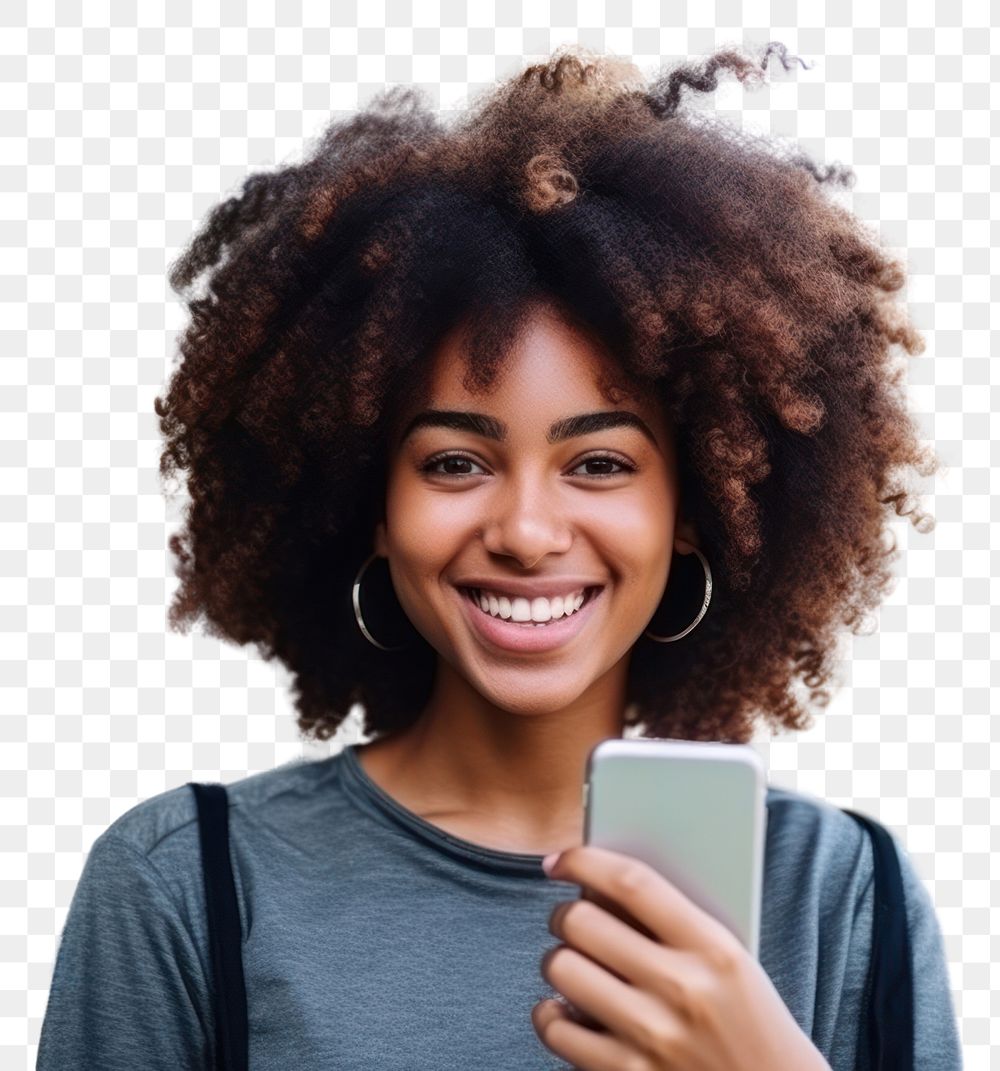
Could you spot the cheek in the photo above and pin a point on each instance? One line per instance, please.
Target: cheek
(418, 536)
(640, 526)
(424, 525)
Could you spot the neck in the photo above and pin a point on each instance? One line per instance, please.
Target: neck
(501, 778)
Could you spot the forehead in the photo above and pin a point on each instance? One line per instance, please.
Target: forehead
(553, 369)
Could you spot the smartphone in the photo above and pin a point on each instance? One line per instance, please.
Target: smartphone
(694, 811)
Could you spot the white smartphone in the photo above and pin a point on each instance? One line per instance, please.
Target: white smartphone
(694, 811)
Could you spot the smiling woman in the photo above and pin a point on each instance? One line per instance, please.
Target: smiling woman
(579, 416)
(699, 268)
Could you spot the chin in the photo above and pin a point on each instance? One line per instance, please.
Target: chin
(523, 694)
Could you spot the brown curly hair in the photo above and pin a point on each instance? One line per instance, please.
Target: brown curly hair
(713, 262)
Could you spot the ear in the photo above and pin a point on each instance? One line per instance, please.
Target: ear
(380, 542)
(685, 537)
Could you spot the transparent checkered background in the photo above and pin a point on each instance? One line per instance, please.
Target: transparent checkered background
(117, 138)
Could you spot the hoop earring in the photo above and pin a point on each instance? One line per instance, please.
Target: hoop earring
(356, 599)
(701, 613)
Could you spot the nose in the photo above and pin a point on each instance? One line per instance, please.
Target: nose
(526, 521)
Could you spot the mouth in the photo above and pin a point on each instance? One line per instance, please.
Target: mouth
(528, 636)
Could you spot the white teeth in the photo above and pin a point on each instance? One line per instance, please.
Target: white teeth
(542, 609)
(520, 609)
(538, 610)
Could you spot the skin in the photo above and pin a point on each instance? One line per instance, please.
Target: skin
(498, 754)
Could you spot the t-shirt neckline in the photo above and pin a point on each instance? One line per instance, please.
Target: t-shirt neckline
(364, 790)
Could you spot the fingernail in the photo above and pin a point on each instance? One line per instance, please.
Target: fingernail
(550, 861)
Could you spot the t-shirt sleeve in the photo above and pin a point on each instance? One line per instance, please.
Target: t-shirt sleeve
(936, 1045)
(128, 987)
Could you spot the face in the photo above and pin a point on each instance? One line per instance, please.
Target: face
(532, 511)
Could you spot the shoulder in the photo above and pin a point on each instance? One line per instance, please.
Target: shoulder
(163, 829)
(816, 849)
(794, 816)
(822, 858)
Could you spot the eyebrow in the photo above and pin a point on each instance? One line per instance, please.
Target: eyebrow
(491, 428)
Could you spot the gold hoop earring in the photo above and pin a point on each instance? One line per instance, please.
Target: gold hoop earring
(701, 613)
(356, 599)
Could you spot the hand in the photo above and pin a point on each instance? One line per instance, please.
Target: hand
(663, 983)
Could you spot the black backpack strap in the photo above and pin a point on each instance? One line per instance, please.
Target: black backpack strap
(224, 932)
(886, 1043)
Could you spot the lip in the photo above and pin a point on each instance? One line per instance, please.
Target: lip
(527, 638)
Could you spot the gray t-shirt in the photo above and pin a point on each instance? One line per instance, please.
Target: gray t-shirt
(375, 940)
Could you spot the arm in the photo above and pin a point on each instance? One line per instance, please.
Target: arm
(128, 988)
(936, 1045)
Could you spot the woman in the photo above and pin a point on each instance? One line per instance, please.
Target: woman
(472, 417)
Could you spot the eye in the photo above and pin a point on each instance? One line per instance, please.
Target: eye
(607, 459)
(430, 465)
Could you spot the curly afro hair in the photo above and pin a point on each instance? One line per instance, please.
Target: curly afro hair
(713, 262)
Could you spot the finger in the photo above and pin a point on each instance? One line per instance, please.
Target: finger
(646, 894)
(577, 1045)
(637, 1018)
(618, 911)
(633, 957)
